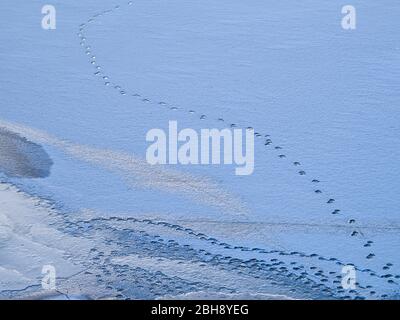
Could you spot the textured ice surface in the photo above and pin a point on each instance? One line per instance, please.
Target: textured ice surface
(22, 158)
(322, 100)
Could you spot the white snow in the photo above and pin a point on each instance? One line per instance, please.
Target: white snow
(324, 100)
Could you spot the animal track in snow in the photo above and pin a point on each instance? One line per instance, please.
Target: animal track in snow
(145, 244)
(107, 82)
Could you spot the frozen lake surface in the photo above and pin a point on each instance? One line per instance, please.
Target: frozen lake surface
(77, 193)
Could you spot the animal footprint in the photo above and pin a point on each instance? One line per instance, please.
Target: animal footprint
(268, 142)
(368, 244)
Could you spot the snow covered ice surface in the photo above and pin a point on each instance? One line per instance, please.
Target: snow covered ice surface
(76, 191)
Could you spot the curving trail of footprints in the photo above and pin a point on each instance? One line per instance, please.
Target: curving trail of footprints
(268, 143)
(277, 267)
(115, 237)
